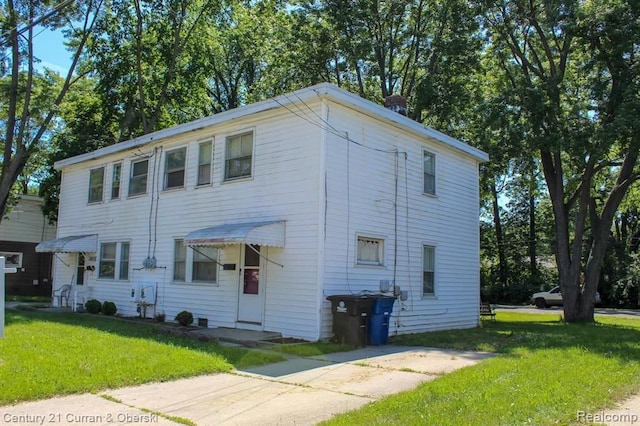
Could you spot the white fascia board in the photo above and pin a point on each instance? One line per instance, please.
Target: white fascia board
(322, 90)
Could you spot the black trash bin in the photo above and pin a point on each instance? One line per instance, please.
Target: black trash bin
(378, 329)
(350, 318)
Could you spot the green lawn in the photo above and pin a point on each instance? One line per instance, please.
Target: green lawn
(45, 354)
(547, 371)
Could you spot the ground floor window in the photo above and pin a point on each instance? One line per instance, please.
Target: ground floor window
(195, 264)
(428, 270)
(114, 260)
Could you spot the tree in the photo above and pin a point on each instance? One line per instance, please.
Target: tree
(149, 62)
(574, 72)
(87, 126)
(27, 114)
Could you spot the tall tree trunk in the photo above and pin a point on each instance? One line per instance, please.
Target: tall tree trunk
(533, 264)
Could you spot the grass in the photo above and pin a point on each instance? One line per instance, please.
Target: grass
(45, 354)
(547, 371)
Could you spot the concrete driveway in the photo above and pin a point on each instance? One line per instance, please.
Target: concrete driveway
(299, 391)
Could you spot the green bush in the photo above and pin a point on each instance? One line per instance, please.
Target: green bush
(185, 318)
(109, 308)
(93, 306)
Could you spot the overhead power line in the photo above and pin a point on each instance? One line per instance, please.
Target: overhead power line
(37, 21)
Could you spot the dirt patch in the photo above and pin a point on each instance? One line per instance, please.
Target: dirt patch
(285, 340)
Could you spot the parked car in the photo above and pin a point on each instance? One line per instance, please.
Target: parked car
(553, 297)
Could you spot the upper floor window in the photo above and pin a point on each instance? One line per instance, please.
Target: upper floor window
(96, 185)
(138, 181)
(114, 261)
(115, 180)
(204, 163)
(370, 251)
(174, 168)
(428, 270)
(429, 173)
(238, 156)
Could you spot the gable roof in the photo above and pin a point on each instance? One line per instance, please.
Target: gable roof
(322, 91)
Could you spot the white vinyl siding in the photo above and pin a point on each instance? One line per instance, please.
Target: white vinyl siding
(138, 180)
(429, 165)
(96, 185)
(174, 168)
(204, 162)
(239, 156)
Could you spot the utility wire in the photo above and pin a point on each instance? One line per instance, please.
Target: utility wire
(36, 21)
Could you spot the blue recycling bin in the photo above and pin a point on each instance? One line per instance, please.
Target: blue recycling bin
(378, 330)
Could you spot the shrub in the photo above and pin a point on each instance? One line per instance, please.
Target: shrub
(185, 318)
(109, 308)
(160, 317)
(93, 306)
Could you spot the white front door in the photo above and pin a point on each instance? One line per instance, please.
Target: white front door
(251, 294)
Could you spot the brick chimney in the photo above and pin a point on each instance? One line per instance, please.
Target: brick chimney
(396, 103)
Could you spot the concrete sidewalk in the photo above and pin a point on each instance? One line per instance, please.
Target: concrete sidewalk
(299, 391)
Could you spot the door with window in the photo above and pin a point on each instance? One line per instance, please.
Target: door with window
(80, 269)
(251, 292)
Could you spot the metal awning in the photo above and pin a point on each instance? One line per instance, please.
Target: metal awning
(71, 244)
(260, 233)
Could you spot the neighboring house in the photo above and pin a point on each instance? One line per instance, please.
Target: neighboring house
(21, 230)
(251, 217)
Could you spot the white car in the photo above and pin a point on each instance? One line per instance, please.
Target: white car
(552, 297)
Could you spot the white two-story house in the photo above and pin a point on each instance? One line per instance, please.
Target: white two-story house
(250, 218)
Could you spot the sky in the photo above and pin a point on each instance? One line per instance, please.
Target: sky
(49, 48)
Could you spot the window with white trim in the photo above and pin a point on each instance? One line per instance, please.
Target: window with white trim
(96, 185)
(114, 260)
(370, 251)
(123, 268)
(238, 158)
(116, 172)
(205, 153)
(429, 169)
(179, 261)
(428, 270)
(138, 180)
(195, 264)
(174, 166)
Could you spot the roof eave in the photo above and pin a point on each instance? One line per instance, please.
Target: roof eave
(322, 90)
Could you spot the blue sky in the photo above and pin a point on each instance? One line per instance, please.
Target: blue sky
(49, 48)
